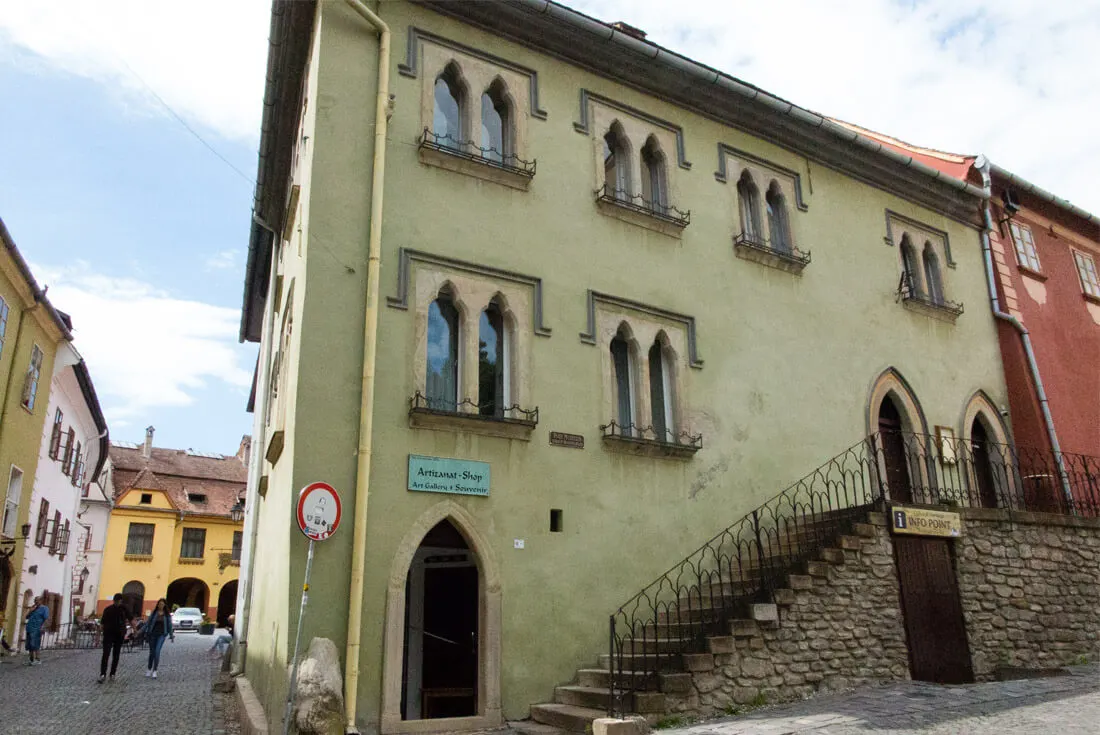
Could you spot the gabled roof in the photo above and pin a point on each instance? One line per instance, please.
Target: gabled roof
(181, 475)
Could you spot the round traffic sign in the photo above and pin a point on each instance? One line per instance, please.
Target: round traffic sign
(318, 511)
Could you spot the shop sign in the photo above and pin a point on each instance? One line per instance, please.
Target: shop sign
(453, 476)
(923, 522)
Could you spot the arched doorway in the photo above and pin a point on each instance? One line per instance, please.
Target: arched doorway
(899, 484)
(982, 464)
(227, 603)
(440, 669)
(133, 597)
(188, 592)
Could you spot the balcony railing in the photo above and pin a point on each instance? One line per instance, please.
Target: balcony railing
(680, 440)
(467, 408)
(638, 203)
(472, 152)
(754, 242)
(909, 292)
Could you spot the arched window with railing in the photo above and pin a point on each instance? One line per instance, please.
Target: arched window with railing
(443, 352)
(449, 113)
(616, 163)
(497, 129)
(933, 278)
(494, 348)
(748, 198)
(661, 389)
(911, 270)
(622, 360)
(779, 226)
(654, 176)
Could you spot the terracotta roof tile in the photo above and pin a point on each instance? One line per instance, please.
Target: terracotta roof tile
(181, 475)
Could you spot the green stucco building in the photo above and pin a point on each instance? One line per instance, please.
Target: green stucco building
(638, 295)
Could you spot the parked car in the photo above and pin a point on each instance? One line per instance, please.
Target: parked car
(186, 618)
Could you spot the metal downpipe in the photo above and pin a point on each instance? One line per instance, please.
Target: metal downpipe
(370, 333)
(983, 166)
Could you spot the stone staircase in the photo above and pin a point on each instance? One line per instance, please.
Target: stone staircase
(723, 614)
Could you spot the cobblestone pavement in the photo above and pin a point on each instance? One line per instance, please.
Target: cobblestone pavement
(1065, 705)
(62, 695)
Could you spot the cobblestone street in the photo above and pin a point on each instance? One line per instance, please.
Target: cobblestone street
(62, 695)
(1065, 705)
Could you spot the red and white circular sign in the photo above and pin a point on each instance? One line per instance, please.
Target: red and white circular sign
(318, 511)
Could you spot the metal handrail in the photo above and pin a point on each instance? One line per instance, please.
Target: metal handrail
(744, 562)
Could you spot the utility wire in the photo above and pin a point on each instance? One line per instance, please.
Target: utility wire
(183, 122)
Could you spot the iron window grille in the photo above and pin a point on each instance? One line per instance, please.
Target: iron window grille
(909, 292)
(755, 242)
(638, 203)
(467, 408)
(652, 435)
(139, 540)
(471, 151)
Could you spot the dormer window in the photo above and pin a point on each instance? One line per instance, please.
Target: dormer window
(198, 498)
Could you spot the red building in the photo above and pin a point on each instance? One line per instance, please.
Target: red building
(1044, 258)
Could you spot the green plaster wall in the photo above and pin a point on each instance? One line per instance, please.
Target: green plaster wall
(789, 361)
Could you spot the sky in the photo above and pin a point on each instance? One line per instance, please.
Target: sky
(128, 135)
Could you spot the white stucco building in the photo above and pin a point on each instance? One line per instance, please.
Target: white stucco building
(69, 510)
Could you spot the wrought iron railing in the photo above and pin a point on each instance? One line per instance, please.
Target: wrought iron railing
(745, 562)
(908, 291)
(638, 203)
(73, 636)
(651, 434)
(754, 242)
(471, 151)
(468, 408)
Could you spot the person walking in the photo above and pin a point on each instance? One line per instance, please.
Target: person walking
(158, 627)
(114, 621)
(36, 618)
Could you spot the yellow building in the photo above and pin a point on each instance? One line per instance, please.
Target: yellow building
(30, 332)
(175, 530)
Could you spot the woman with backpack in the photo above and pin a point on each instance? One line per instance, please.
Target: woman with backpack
(157, 628)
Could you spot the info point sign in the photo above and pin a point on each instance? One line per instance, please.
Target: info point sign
(318, 511)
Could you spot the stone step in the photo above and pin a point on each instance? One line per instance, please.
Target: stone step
(664, 663)
(818, 568)
(850, 543)
(831, 555)
(656, 642)
(530, 727)
(634, 680)
(742, 628)
(864, 530)
(784, 596)
(599, 698)
(566, 716)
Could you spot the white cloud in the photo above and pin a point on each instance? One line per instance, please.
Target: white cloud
(1014, 79)
(145, 348)
(205, 58)
(223, 260)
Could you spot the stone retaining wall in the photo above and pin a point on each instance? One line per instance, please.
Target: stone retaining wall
(1030, 587)
(1030, 590)
(842, 628)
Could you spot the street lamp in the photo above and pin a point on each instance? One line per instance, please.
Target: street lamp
(237, 512)
(7, 546)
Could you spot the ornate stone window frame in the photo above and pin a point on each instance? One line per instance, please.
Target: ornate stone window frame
(421, 277)
(644, 325)
(597, 116)
(913, 288)
(891, 383)
(428, 56)
(757, 247)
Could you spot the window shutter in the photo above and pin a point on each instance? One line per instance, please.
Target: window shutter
(43, 520)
